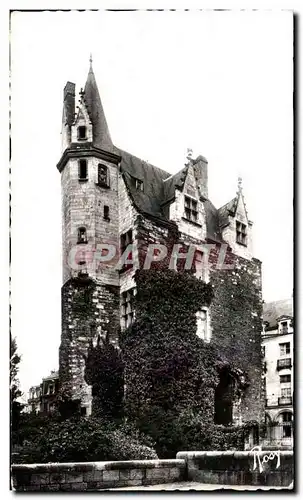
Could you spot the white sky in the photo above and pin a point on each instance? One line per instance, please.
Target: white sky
(217, 82)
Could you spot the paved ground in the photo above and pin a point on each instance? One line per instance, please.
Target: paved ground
(193, 486)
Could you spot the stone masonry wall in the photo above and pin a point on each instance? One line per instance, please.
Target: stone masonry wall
(235, 313)
(247, 468)
(95, 476)
(87, 309)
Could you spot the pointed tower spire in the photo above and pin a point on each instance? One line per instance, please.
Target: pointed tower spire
(239, 185)
(91, 62)
(91, 96)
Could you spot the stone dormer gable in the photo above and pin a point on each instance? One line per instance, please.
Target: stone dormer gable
(82, 130)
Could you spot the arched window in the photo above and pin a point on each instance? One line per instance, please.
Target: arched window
(286, 421)
(82, 133)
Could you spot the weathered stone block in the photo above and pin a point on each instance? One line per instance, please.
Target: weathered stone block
(40, 478)
(174, 473)
(94, 475)
(124, 474)
(57, 478)
(157, 473)
(136, 474)
(79, 486)
(65, 487)
(110, 475)
(71, 477)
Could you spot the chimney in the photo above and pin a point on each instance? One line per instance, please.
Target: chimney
(200, 165)
(69, 101)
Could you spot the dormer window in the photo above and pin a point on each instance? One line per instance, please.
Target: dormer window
(241, 231)
(191, 209)
(139, 184)
(82, 170)
(82, 236)
(103, 175)
(82, 133)
(284, 327)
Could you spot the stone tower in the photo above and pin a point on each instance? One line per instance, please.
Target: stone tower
(89, 187)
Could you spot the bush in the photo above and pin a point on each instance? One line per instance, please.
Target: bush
(84, 440)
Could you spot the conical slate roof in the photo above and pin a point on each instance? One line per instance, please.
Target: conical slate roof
(101, 135)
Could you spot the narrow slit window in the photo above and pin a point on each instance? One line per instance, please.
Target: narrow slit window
(81, 133)
(82, 236)
(139, 185)
(83, 170)
(126, 239)
(106, 212)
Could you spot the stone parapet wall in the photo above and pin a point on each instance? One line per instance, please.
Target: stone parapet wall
(246, 468)
(93, 476)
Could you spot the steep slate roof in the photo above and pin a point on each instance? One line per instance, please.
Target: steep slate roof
(101, 135)
(159, 185)
(227, 209)
(274, 310)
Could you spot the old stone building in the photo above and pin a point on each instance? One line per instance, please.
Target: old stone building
(277, 346)
(43, 397)
(111, 197)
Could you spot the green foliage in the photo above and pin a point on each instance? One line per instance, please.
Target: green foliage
(170, 373)
(104, 372)
(168, 369)
(15, 393)
(80, 440)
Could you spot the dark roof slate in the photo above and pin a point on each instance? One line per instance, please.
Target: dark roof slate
(227, 209)
(91, 97)
(159, 185)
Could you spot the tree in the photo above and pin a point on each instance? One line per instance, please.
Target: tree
(15, 393)
(104, 372)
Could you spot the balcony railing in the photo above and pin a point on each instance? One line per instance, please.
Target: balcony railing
(283, 363)
(285, 401)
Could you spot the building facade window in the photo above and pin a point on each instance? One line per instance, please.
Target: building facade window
(82, 236)
(241, 233)
(103, 175)
(82, 170)
(106, 212)
(203, 330)
(286, 392)
(127, 308)
(286, 424)
(190, 209)
(284, 349)
(81, 133)
(284, 327)
(126, 240)
(285, 379)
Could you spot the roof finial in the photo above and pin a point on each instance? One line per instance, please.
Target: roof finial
(239, 184)
(189, 154)
(90, 61)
